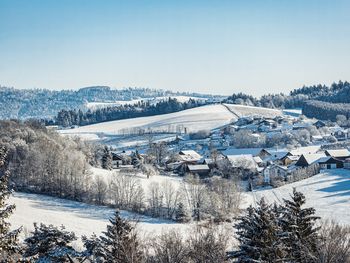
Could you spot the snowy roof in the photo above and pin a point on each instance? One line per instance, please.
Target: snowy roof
(338, 153)
(190, 155)
(305, 150)
(246, 160)
(198, 167)
(235, 151)
(315, 158)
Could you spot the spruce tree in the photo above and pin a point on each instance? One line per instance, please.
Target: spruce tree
(119, 244)
(8, 239)
(107, 159)
(50, 244)
(259, 235)
(298, 225)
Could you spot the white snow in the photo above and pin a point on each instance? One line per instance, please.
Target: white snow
(206, 117)
(81, 218)
(201, 118)
(328, 192)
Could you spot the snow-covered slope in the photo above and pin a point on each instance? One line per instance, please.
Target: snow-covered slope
(201, 118)
(81, 218)
(205, 117)
(243, 110)
(328, 192)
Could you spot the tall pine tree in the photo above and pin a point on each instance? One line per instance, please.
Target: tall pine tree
(259, 235)
(298, 225)
(119, 244)
(8, 239)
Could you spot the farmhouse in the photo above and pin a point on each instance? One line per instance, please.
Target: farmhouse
(339, 153)
(331, 163)
(308, 159)
(201, 170)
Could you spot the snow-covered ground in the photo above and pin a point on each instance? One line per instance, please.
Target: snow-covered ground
(206, 117)
(328, 192)
(145, 182)
(243, 110)
(201, 118)
(81, 218)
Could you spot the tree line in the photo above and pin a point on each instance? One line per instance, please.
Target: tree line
(68, 118)
(337, 93)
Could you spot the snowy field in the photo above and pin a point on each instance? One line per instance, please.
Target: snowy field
(206, 117)
(242, 110)
(200, 118)
(81, 218)
(328, 192)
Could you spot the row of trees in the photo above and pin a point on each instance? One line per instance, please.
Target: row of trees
(215, 198)
(67, 118)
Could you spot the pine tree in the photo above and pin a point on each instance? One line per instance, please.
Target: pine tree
(50, 244)
(181, 214)
(119, 244)
(8, 239)
(259, 235)
(107, 159)
(298, 224)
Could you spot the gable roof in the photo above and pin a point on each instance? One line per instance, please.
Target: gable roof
(190, 155)
(338, 153)
(240, 160)
(198, 167)
(305, 150)
(311, 158)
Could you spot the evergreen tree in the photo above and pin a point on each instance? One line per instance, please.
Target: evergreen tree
(8, 239)
(298, 224)
(259, 235)
(107, 159)
(119, 244)
(181, 214)
(50, 244)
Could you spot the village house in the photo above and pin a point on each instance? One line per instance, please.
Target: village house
(306, 160)
(340, 154)
(331, 163)
(201, 170)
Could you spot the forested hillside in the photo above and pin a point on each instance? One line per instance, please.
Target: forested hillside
(43, 103)
(41, 161)
(336, 93)
(67, 118)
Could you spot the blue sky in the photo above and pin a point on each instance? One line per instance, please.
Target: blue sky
(203, 46)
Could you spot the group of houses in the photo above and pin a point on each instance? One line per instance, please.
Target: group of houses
(267, 163)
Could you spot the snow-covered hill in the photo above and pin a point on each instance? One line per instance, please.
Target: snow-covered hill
(328, 192)
(201, 118)
(81, 218)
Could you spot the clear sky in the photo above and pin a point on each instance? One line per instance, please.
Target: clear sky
(203, 46)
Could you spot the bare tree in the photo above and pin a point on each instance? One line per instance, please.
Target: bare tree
(335, 243)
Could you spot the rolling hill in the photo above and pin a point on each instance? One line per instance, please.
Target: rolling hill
(201, 118)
